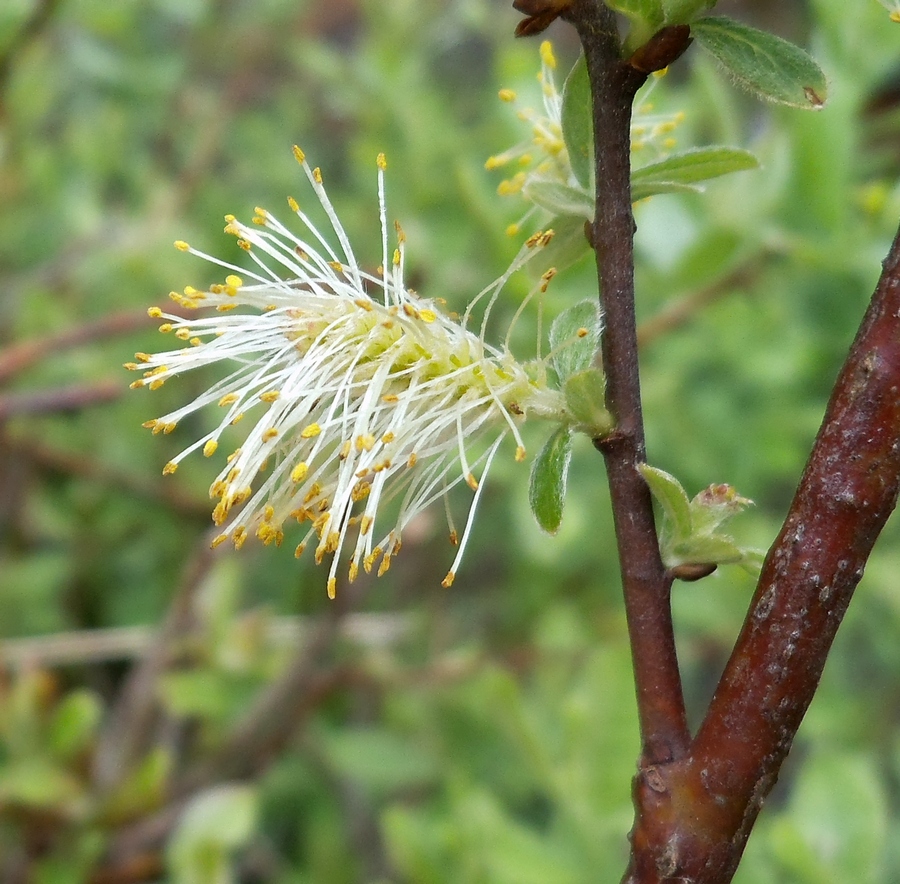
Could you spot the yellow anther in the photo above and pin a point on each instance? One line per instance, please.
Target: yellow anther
(232, 228)
(169, 427)
(387, 438)
(360, 491)
(270, 434)
(154, 312)
(547, 56)
(494, 163)
(294, 205)
(224, 308)
(336, 266)
(385, 565)
(169, 468)
(313, 493)
(412, 460)
(298, 474)
(454, 538)
(237, 418)
(182, 334)
(472, 482)
(166, 327)
(195, 342)
(239, 537)
(218, 541)
(234, 280)
(228, 399)
(365, 525)
(365, 442)
(182, 246)
(390, 398)
(507, 95)
(301, 548)
(364, 304)
(513, 230)
(447, 582)
(381, 161)
(370, 559)
(134, 385)
(308, 432)
(299, 156)
(354, 570)
(332, 587)
(346, 448)
(410, 311)
(155, 385)
(270, 395)
(427, 315)
(243, 244)
(210, 448)
(396, 258)
(317, 175)
(268, 512)
(546, 277)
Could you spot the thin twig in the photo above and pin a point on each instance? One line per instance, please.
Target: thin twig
(646, 584)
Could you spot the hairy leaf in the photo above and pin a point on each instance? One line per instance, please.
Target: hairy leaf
(560, 199)
(549, 472)
(671, 496)
(577, 122)
(762, 63)
(574, 337)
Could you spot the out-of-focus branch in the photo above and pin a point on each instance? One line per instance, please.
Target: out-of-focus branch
(59, 400)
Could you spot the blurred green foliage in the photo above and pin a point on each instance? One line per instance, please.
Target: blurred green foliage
(491, 737)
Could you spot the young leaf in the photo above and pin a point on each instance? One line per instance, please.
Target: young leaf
(577, 122)
(643, 189)
(699, 164)
(762, 63)
(569, 243)
(700, 549)
(646, 17)
(584, 392)
(678, 12)
(560, 199)
(549, 472)
(672, 497)
(574, 337)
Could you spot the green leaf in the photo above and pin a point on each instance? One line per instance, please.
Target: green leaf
(549, 472)
(678, 12)
(671, 496)
(704, 548)
(571, 349)
(569, 244)
(577, 122)
(766, 65)
(646, 17)
(74, 724)
(692, 166)
(559, 199)
(643, 190)
(585, 400)
(214, 823)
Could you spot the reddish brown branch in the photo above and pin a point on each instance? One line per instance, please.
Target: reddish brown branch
(694, 816)
(645, 582)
